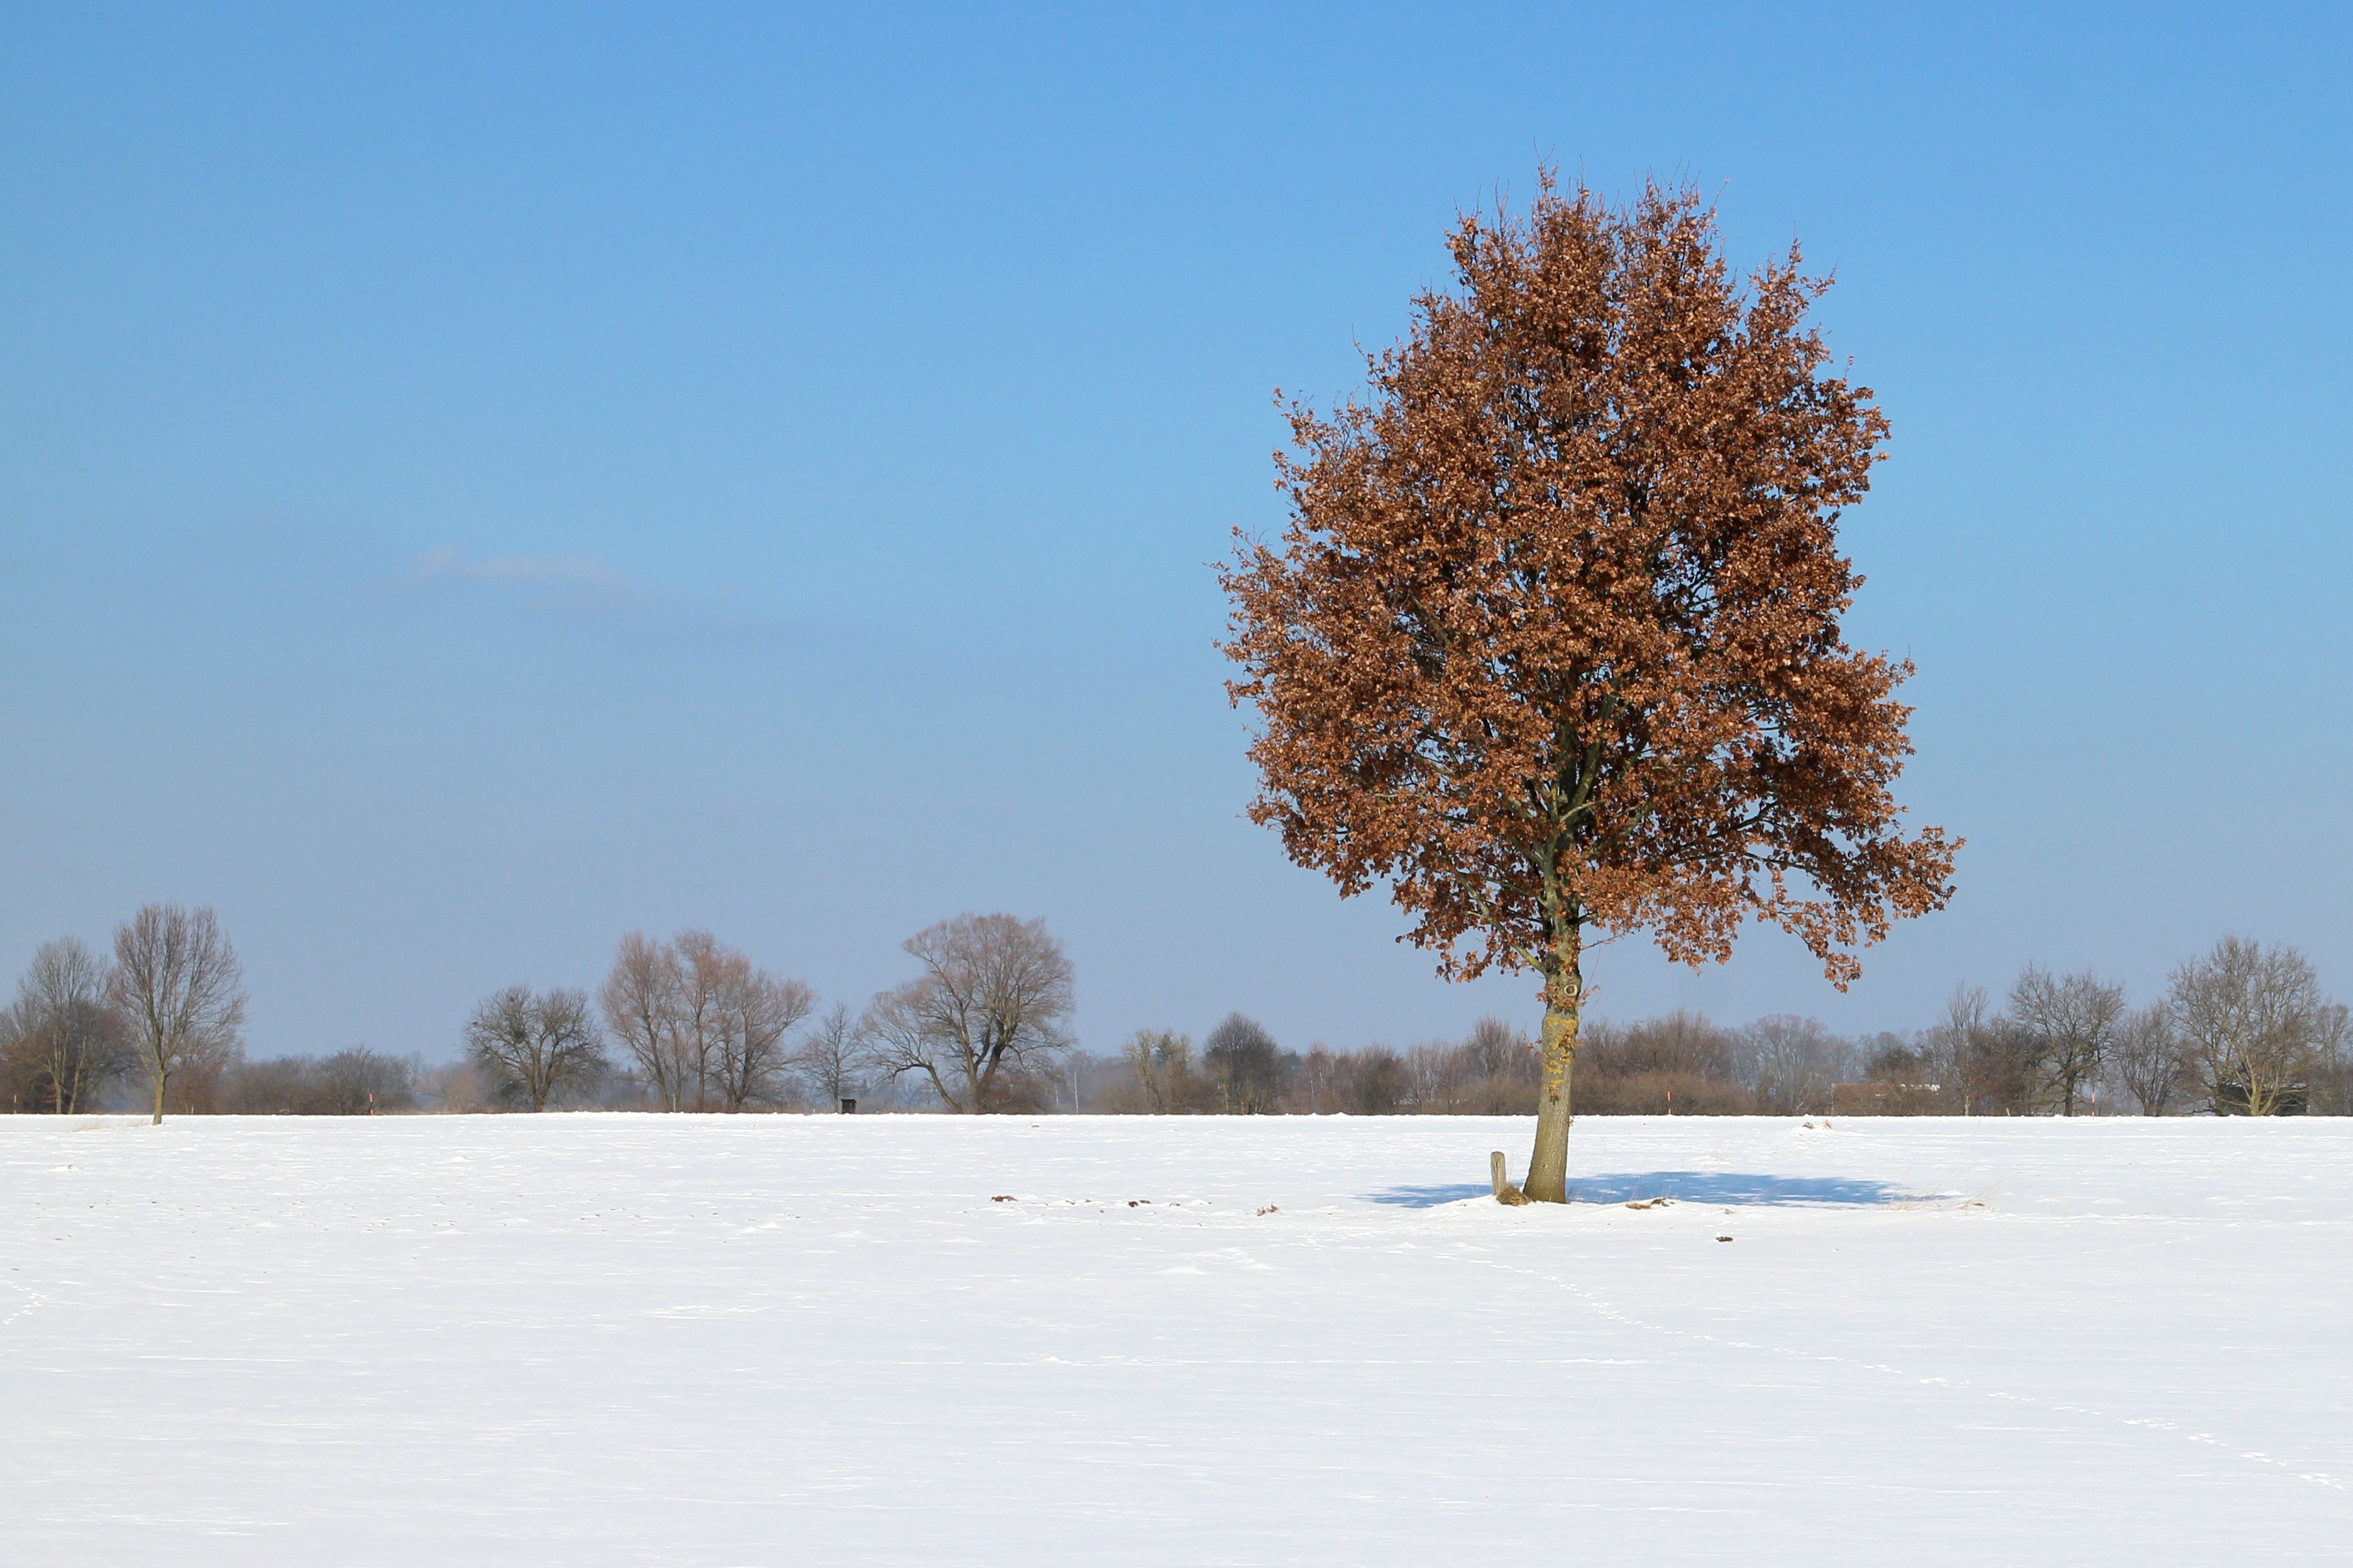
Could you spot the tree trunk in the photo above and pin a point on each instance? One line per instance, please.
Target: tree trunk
(1547, 1180)
(159, 1101)
(2260, 1100)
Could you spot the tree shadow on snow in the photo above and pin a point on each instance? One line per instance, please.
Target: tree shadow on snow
(1684, 1187)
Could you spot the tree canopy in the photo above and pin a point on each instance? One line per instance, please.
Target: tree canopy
(1552, 639)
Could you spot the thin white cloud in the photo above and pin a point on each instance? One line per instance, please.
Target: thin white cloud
(450, 564)
(577, 579)
(578, 584)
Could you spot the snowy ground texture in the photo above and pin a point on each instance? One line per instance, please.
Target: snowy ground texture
(787, 1341)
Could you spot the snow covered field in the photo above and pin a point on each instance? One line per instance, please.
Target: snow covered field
(780, 1340)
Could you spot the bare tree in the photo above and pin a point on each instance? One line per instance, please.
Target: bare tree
(453, 1088)
(1793, 1063)
(1373, 1082)
(833, 1058)
(2255, 1023)
(1498, 1069)
(1242, 1060)
(2150, 1060)
(21, 1068)
(699, 1021)
(2072, 1021)
(1681, 1062)
(1900, 1077)
(753, 1015)
(1162, 1061)
(533, 1047)
(1439, 1078)
(1315, 1086)
(702, 965)
(74, 1038)
(1956, 1042)
(1991, 1061)
(1496, 1049)
(277, 1086)
(361, 1082)
(641, 1002)
(180, 990)
(987, 1011)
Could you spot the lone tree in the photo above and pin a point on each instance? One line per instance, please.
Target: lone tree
(2072, 1021)
(2151, 1059)
(833, 1058)
(983, 1017)
(532, 1047)
(1243, 1061)
(1551, 642)
(179, 990)
(2254, 1020)
(643, 1000)
(755, 1017)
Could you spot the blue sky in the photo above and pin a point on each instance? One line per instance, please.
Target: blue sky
(476, 481)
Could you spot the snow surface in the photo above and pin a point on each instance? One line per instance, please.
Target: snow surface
(611, 1338)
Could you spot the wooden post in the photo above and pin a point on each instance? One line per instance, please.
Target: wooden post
(1499, 1177)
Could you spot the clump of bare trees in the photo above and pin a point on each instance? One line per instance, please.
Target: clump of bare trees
(1677, 1064)
(2244, 1029)
(1163, 1078)
(705, 1028)
(1794, 1064)
(1491, 1072)
(62, 1042)
(1681, 1064)
(356, 1082)
(698, 1024)
(1245, 1072)
(167, 1006)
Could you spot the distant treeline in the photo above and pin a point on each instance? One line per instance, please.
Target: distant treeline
(2243, 1029)
(693, 1025)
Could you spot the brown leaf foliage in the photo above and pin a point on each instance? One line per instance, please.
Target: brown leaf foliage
(1552, 638)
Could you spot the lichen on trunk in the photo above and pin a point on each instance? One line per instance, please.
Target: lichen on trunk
(1563, 994)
